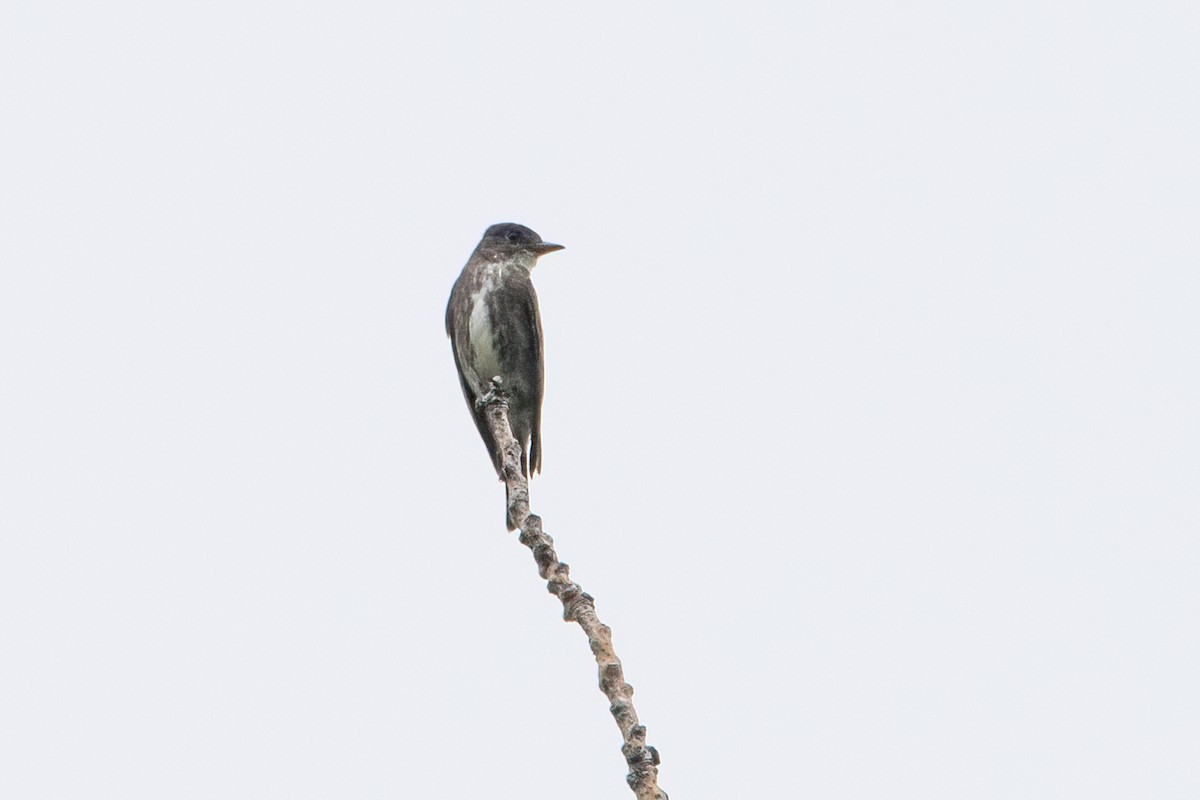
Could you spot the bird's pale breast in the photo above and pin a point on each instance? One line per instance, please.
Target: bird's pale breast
(486, 361)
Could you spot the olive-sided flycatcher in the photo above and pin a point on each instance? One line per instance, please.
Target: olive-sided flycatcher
(494, 328)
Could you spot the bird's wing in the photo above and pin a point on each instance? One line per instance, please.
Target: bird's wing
(535, 433)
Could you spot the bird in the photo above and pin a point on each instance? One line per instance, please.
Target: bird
(495, 330)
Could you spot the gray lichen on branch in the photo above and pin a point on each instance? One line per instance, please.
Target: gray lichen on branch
(578, 605)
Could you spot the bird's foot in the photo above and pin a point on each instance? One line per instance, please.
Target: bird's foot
(496, 392)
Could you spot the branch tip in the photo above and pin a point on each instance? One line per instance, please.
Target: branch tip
(578, 605)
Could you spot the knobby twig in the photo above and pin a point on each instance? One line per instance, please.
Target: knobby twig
(578, 605)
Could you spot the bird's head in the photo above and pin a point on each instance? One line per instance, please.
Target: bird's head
(510, 239)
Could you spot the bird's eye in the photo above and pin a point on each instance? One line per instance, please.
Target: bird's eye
(513, 236)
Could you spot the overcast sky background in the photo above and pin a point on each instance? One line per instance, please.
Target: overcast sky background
(870, 420)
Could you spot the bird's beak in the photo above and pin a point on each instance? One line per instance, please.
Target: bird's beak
(541, 248)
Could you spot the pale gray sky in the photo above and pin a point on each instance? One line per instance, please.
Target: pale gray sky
(880, 322)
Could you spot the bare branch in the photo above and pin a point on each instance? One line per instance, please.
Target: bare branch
(578, 605)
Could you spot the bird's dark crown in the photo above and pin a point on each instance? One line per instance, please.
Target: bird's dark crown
(510, 233)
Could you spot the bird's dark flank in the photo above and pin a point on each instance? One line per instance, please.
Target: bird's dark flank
(495, 330)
